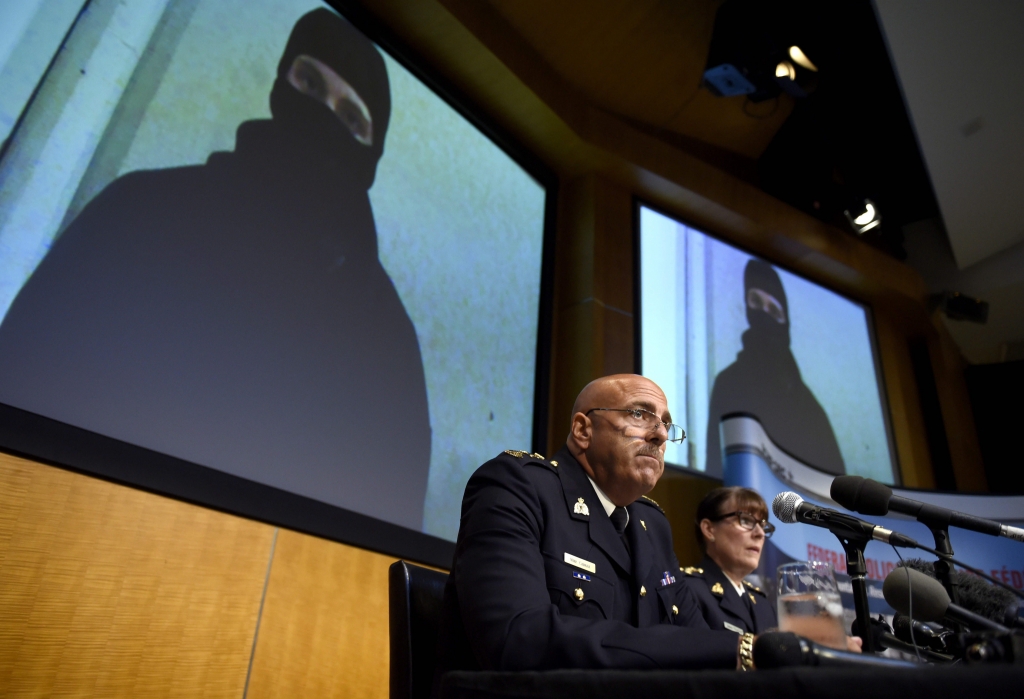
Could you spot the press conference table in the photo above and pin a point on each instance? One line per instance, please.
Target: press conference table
(929, 682)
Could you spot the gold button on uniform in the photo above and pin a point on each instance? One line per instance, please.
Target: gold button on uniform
(643, 591)
(675, 610)
(579, 594)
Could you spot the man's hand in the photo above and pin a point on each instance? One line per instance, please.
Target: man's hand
(854, 644)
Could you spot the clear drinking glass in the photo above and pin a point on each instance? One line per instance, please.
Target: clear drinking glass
(809, 603)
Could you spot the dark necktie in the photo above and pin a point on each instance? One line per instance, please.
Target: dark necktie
(619, 517)
(748, 600)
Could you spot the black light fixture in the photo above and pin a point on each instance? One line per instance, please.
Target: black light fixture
(758, 50)
(863, 217)
(796, 74)
(957, 306)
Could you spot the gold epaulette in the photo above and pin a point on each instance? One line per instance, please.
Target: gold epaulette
(692, 570)
(755, 588)
(526, 455)
(651, 501)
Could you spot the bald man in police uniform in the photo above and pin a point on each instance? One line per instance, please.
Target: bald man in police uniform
(563, 563)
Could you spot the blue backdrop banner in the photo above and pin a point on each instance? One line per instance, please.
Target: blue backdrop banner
(752, 460)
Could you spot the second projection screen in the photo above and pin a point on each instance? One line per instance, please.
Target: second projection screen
(723, 331)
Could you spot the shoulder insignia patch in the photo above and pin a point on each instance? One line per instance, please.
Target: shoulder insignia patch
(692, 570)
(535, 455)
(652, 502)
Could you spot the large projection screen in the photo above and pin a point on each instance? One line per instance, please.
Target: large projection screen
(241, 234)
(723, 332)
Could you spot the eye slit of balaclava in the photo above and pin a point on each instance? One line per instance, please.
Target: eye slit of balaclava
(307, 79)
(761, 300)
(313, 78)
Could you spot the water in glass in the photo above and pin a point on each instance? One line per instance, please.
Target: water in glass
(809, 603)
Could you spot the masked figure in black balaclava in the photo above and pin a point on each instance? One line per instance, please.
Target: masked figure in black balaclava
(235, 313)
(765, 382)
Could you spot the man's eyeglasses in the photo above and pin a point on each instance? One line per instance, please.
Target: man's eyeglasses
(747, 522)
(648, 421)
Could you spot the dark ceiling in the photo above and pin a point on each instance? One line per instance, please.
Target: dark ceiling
(850, 139)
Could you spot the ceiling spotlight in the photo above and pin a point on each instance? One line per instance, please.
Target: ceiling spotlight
(866, 218)
(801, 59)
(757, 50)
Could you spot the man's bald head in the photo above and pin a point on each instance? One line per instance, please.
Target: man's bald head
(599, 392)
(624, 459)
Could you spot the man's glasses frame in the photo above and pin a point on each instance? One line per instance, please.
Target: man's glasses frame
(650, 421)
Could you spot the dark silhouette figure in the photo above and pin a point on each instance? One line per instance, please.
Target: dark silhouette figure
(235, 313)
(765, 381)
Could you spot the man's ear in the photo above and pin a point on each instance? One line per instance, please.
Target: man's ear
(581, 430)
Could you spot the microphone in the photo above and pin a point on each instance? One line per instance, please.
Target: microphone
(870, 497)
(884, 638)
(929, 636)
(776, 649)
(930, 600)
(790, 507)
(973, 593)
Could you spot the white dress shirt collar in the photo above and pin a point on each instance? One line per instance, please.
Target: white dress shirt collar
(608, 505)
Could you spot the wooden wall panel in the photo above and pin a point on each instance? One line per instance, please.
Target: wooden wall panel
(109, 591)
(593, 317)
(906, 418)
(324, 628)
(957, 414)
(679, 494)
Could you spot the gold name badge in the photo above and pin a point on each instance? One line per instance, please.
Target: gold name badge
(580, 563)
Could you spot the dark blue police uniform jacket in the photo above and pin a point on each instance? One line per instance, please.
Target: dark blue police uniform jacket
(722, 607)
(542, 580)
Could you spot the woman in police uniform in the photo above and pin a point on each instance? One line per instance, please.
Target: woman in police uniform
(731, 527)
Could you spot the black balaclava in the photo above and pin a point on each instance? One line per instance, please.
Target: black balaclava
(763, 328)
(336, 43)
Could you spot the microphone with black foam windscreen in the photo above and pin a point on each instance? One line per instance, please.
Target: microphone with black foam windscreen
(980, 597)
(870, 497)
(777, 649)
(904, 587)
(791, 508)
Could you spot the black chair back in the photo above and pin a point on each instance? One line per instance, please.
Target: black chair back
(416, 595)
